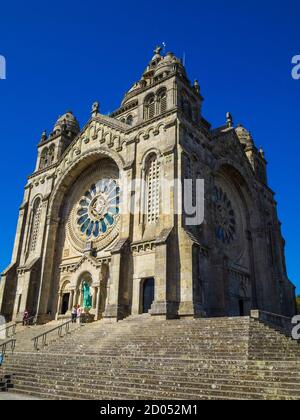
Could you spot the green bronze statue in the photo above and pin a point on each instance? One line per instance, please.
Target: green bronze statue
(87, 297)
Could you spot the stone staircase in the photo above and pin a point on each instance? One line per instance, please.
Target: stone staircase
(25, 334)
(146, 358)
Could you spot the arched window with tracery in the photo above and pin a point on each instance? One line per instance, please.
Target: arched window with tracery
(162, 101)
(44, 158)
(149, 107)
(47, 157)
(153, 189)
(35, 224)
(51, 154)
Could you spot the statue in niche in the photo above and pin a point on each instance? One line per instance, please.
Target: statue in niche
(87, 297)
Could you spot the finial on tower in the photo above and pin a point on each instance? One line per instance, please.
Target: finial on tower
(262, 152)
(229, 120)
(158, 50)
(44, 136)
(197, 86)
(95, 109)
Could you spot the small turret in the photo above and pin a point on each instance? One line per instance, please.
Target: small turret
(51, 147)
(66, 124)
(256, 157)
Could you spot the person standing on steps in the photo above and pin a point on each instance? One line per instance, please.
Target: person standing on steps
(79, 314)
(25, 318)
(74, 314)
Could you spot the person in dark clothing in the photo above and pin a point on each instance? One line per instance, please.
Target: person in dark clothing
(26, 318)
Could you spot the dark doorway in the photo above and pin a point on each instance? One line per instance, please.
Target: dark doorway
(65, 303)
(148, 295)
(241, 308)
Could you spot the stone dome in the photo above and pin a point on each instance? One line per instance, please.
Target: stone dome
(166, 65)
(67, 122)
(244, 135)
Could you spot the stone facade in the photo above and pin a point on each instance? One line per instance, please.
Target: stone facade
(72, 225)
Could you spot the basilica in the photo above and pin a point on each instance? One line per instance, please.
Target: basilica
(74, 236)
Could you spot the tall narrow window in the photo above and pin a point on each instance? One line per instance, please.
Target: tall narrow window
(51, 154)
(129, 120)
(47, 156)
(35, 223)
(149, 109)
(44, 158)
(153, 189)
(162, 101)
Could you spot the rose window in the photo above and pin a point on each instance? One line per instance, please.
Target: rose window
(224, 216)
(98, 209)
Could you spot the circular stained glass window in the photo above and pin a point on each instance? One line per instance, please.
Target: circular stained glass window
(98, 209)
(224, 216)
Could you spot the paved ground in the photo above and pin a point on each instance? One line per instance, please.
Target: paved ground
(7, 396)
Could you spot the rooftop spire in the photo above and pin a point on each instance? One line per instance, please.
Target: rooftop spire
(229, 120)
(158, 50)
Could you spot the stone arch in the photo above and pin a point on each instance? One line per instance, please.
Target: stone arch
(65, 297)
(241, 172)
(35, 199)
(161, 126)
(74, 170)
(237, 193)
(54, 242)
(43, 158)
(84, 275)
(148, 153)
(149, 106)
(238, 177)
(161, 100)
(65, 284)
(232, 207)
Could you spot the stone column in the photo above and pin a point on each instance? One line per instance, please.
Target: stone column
(186, 307)
(80, 295)
(25, 290)
(59, 304)
(136, 296)
(112, 307)
(46, 285)
(160, 306)
(71, 300)
(75, 296)
(98, 301)
(95, 297)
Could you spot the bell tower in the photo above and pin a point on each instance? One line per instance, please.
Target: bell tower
(50, 148)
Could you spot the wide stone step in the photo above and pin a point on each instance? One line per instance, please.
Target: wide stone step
(61, 369)
(140, 393)
(162, 386)
(183, 381)
(146, 358)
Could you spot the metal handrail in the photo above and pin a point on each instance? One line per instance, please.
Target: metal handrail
(65, 326)
(3, 346)
(7, 330)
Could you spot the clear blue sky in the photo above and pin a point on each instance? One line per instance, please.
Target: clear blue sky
(65, 55)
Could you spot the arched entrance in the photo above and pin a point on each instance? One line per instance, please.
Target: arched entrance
(65, 300)
(65, 303)
(148, 294)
